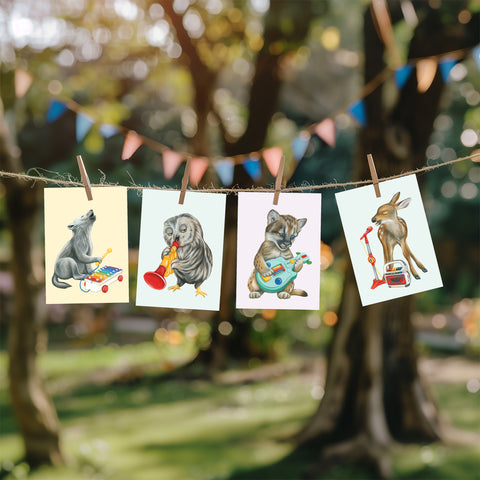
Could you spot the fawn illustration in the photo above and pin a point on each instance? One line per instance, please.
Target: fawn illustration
(393, 231)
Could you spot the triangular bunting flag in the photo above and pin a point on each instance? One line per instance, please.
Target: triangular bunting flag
(198, 167)
(55, 110)
(171, 161)
(83, 125)
(357, 110)
(253, 168)
(272, 157)
(476, 56)
(225, 169)
(299, 145)
(326, 131)
(23, 80)
(108, 130)
(402, 74)
(446, 64)
(426, 70)
(132, 143)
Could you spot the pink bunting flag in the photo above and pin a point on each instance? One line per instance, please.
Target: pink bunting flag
(23, 80)
(171, 161)
(272, 157)
(198, 167)
(326, 131)
(132, 143)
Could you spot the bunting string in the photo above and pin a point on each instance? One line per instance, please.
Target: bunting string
(353, 106)
(69, 182)
(325, 130)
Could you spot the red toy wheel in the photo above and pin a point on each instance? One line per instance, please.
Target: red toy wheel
(120, 278)
(105, 289)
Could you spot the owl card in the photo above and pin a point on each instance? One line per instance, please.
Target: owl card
(278, 251)
(86, 245)
(389, 240)
(181, 250)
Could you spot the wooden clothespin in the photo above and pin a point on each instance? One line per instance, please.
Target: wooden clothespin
(186, 175)
(373, 173)
(85, 179)
(278, 180)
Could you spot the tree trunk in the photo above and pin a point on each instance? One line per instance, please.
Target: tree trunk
(34, 410)
(373, 391)
(264, 94)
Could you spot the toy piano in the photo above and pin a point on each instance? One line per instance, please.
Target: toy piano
(100, 279)
(282, 273)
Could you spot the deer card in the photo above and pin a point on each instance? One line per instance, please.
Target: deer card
(389, 240)
(278, 251)
(181, 250)
(86, 245)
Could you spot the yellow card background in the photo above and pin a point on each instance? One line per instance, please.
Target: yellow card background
(110, 230)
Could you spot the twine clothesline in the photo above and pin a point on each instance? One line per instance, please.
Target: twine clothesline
(68, 182)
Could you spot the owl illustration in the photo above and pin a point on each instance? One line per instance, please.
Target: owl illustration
(194, 258)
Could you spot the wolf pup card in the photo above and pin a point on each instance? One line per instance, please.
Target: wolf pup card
(389, 240)
(86, 245)
(278, 251)
(181, 250)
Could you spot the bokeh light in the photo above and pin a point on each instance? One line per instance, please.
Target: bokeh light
(225, 328)
(330, 38)
(439, 321)
(330, 318)
(473, 385)
(469, 137)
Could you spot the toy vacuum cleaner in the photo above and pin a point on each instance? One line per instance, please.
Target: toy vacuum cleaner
(371, 259)
(156, 279)
(100, 278)
(396, 274)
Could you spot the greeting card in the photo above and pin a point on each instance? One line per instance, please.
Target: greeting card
(86, 245)
(278, 251)
(389, 240)
(181, 250)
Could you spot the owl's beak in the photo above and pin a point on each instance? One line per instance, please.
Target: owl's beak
(176, 239)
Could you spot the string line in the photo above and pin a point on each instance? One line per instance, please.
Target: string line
(73, 183)
(366, 90)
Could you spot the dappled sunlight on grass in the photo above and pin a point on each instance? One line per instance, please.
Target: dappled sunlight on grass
(153, 428)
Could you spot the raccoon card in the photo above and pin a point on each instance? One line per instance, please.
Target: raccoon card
(278, 251)
(86, 245)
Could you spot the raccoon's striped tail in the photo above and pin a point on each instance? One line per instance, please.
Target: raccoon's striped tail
(299, 292)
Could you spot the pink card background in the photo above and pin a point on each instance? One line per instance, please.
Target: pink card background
(252, 220)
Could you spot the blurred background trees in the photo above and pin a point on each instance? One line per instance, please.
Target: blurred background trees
(222, 78)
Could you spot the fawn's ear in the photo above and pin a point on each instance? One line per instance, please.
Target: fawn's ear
(394, 199)
(404, 203)
(272, 216)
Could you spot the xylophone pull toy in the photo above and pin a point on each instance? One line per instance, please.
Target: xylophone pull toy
(156, 279)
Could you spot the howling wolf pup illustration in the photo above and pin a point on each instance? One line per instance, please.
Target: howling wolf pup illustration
(75, 258)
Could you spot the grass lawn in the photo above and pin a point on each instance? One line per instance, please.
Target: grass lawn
(154, 429)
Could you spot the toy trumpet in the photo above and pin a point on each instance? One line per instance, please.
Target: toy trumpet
(156, 279)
